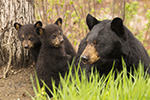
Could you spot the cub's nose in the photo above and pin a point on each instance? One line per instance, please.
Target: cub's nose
(26, 46)
(61, 41)
(84, 58)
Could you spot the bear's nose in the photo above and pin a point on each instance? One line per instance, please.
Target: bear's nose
(26, 46)
(84, 58)
(61, 41)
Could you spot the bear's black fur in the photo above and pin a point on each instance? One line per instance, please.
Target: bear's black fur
(69, 48)
(29, 38)
(67, 45)
(53, 58)
(110, 41)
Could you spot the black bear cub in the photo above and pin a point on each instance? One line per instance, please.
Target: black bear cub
(29, 38)
(109, 41)
(53, 59)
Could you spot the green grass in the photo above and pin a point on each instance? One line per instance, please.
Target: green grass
(99, 88)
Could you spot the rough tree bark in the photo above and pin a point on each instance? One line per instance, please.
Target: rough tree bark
(11, 51)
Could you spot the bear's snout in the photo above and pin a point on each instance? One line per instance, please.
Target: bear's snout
(25, 44)
(89, 55)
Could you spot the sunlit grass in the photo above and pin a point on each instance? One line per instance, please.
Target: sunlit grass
(126, 86)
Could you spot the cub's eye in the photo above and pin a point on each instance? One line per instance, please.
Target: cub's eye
(53, 36)
(22, 38)
(31, 39)
(95, 42)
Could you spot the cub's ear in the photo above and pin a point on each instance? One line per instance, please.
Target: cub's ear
(59, 22)
(17, 26)
(39, 31)
(118, 28)
(38, 24)
(91, 21)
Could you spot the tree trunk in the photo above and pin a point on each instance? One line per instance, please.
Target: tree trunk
(11, 51)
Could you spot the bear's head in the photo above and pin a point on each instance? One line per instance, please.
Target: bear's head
(104, 40)
(27, 34)
(52, 34)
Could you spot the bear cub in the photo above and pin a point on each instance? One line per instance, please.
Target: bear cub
(53, 59)
(29, 38)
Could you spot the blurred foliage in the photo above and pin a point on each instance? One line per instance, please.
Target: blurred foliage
(74, 14)
(131, 9)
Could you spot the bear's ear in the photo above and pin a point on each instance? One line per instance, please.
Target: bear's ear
(39, 31)
(91, 21)
(38, 24)
(117, 27)
(17, 26)
(59, 22)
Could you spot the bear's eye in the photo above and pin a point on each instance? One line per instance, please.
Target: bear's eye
(95, 42)
(31, 38)
(22, 38)
(53, 36)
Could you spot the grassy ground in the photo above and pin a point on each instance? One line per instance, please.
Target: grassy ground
(134, 87)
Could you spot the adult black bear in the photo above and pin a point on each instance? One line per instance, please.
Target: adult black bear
(53, 58)
(29, 38)
(109, 41)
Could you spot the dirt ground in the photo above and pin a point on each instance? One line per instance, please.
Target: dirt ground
(17, 83)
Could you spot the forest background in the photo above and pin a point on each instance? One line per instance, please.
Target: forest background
(135, 13)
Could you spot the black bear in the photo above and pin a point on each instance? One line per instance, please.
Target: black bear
(29, 38)
(109, 41)
(53, 59)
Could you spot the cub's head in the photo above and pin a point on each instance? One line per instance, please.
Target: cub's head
(52, 34)
(27, 34)
(104, 40)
